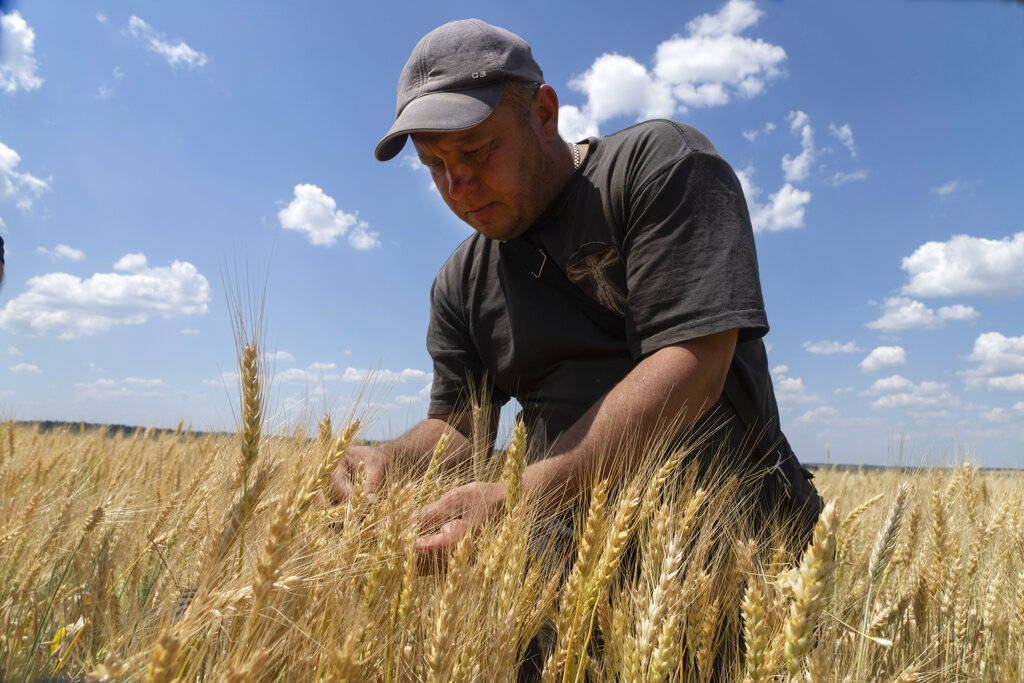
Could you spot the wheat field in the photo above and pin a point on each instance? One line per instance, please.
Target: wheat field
(161, 556)
(171, 556)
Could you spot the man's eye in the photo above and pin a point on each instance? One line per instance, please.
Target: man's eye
(435, 164)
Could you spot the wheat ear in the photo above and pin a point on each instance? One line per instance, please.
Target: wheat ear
(755, 635)
(251, 372)
(662, 601)
(879, 558)
(269, 565)
(587, 553)
(159, 668)
(512, 469)
(812, 583)
(433, 472)
(440, 653)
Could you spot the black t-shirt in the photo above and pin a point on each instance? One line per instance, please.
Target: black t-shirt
(653, 245)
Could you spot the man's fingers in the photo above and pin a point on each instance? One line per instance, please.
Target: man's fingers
(436, 547)
(431, 516)
(341, 483)
(374, 469)
(374, 477)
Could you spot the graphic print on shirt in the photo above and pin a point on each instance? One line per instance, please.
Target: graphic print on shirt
(597, 269)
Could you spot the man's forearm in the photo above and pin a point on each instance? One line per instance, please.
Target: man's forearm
(664, 393)
(415, 447)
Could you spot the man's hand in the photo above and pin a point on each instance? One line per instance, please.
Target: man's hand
(375, 461)
(459, 512)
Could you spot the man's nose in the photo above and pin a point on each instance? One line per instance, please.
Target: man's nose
(461, 181)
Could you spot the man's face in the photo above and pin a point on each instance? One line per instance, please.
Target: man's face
(492, 175)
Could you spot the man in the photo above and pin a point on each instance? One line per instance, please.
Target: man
(611, 286)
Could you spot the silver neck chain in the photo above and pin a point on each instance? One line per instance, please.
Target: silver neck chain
(575, 156)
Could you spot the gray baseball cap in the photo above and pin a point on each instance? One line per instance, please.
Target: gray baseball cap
(454, 79)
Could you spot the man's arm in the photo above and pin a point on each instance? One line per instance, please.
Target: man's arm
(668, 390)
(412, 449)
(671, 388)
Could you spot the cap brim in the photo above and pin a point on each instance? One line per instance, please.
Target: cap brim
(440, 112)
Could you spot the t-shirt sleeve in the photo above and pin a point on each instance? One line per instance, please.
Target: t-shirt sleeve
(691, 264)
(457, 365)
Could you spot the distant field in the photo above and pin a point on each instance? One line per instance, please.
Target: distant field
(156, 556)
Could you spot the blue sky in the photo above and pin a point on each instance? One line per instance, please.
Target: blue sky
(151, 151)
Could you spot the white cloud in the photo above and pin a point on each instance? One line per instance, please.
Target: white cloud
(316, 214)
(297, 376)
(947, 188)
(17, 61)
(752, 135)
(884, 357)
(118, 72)
(108, 389)
(101, 17)
(63, 251)
(189, 331)
(141, 382)
(574, 125)
(227, 378)
(841, 178)
(174, 53)
(901, 313)
(891, 384)
(958, 312)
(620, 86)
(1000, 362)
(789, 390)
(21, 188)
(819, 414)
(422, 395)
(706, 68)
(26, 368)
(12, 351)
(845, 135)
(1019, 406)
(826, 347)
(131, 263)
(734, 17)
(996, 415)
(316, 373)
(799, 167)
(900, 392)
(714, 62)
(1010, 384)
(278, 355)
(72, 307)
(406, 375)
(103, 92)
(997, 354)
(784, 210)
(361, 238)
(966, 266)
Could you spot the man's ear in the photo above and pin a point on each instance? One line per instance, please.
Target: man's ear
(545, 106)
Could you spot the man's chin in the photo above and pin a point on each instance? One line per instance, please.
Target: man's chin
(502, 233)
